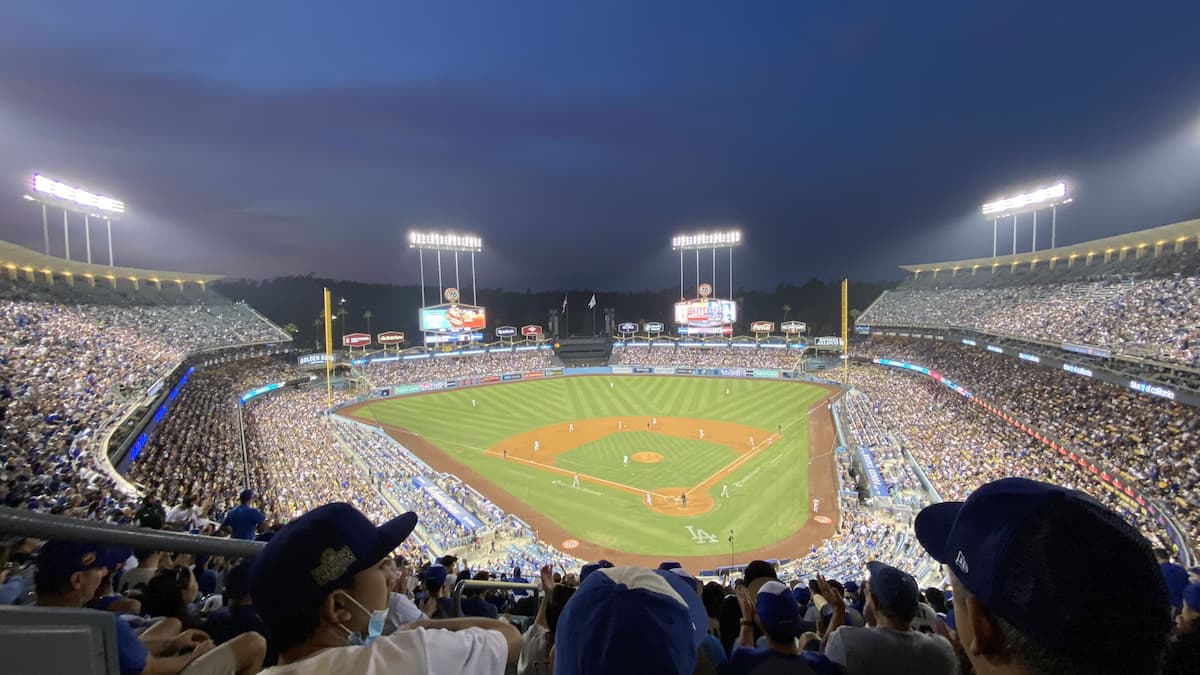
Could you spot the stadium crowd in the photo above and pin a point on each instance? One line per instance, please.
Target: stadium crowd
(1151, 441)
(1157, 318)
(436, 366)
(670, 354)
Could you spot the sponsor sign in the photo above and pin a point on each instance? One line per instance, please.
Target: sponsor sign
(391, 337)
(506, 331)
(452, 319)
(531, 331)
(509, 377)
(642, 370)
(1085, 349)
(969, 342)
(871, 471)
(791, 327)
(706, 312)
(704, 290)
(1078, 370)
(622, 370)
(995, 349)
(439, 338)
(653, 327)
(491, 379)
(1029, 357)
(726, 331)
(765, 373)
(312, 359)
(627, 327)
(762, 326)
(557, 372)
(684, 371)
(829, 341)
(406, 389)
(533, 375)
(356, 340)
(1152, 389)
(861, 330)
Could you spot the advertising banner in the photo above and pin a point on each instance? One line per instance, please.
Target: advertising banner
(531, 331)
(642, 370)
(762, 326)
(491, 379)
(792, 327)
(313, 359)
(627, 327)
(871, 471)
(557, 372)
(406, 389)
(829, 341)
(533, 375)
(684, 371)
(724, 331)
(506, 331)
(765, 373)
(456, 510)
(653, 327)
(391, 337)
(509, 377)
(356, 340)
(452, 318)
(622, 370)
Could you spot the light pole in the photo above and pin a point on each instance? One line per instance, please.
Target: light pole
(1051, 196)
(50, 192)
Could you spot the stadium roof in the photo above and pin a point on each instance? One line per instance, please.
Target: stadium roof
(1175, 234)
(14, 257)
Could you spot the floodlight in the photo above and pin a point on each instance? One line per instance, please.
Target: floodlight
(1040, 198)
(445, 241)
(706, 240)
(76, 195)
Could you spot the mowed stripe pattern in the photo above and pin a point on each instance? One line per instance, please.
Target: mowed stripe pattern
(768, 497)
(685, 462)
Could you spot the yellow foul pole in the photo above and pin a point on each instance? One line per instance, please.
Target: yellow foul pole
(328, 352)
(845, 332)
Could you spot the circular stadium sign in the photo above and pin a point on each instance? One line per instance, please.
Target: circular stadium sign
(705, 290)
(569, 544)
(451, 294)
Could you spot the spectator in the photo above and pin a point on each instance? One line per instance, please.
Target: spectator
(171, 593)
(539, 637)
(68, 574)
(151, 513)
(244, 521)
(775, 612)
(1048, 581)
(1174, 576)
(138, 577)
(624, 620)
(473, 603)
(238, 615)
(890, 645)
(1183, 656)
(321, 587)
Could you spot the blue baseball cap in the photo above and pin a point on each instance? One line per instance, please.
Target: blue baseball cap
(626, 620)
(436, 575)
(592, 567)
(58, 559)
(801, 595)
(894, 589)
(687, 590)
(316, 553)
(778, 611)
(851, 586)
(1054, 563)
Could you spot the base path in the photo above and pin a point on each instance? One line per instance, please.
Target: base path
(822, 485)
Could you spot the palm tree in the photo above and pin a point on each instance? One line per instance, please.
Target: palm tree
(786, 309)
(368, 315)
(291, 329)
(342, 312)
(854, 314)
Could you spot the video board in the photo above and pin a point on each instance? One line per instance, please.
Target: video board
(706, 312)
(452, 319)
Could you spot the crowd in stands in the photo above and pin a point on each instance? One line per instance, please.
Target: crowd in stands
(67, 372)
(1148, 439)
(1157, 318)
(670, 354)
(444, 366)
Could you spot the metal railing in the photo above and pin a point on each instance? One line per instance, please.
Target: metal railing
(472, 584)
(45, 526)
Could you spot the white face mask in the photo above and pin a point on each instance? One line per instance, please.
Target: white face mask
(374, 624)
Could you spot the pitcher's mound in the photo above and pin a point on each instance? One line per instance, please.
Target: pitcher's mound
(667, 502)
(646, 457)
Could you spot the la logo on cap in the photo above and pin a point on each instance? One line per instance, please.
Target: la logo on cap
(961, 561)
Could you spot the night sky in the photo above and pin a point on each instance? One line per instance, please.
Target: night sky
(258, 139)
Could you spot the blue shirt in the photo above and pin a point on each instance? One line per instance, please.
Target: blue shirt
(243, 521)
(744, 661)
(131, 653)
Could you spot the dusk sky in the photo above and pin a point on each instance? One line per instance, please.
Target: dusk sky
(257, 139)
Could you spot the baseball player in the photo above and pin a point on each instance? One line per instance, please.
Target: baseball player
(701, 434)
(537, 446)
(648, 499)
(575, 482)
(571, 427)
(724, 489)
(816, 505)
(626, 460)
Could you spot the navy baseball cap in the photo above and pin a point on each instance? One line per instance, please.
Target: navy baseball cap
(626, 620)
(1052, 562)
(894, 589)
(592, 567)
(778, 610)
(316, 553)
(687, 590)
(59, 559)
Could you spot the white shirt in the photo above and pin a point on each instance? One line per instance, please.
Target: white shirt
(436, 652)
(401, 612)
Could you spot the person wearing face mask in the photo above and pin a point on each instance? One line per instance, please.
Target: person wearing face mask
(321, 586)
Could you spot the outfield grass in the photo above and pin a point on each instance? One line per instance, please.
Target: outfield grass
(768, 494)
(685, 462)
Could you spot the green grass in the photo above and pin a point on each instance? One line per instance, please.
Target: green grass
(685, 462)
(768, 494)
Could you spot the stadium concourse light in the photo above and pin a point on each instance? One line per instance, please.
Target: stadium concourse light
(1048, 197)
(445, 241)
(69, 198)
(729, 239)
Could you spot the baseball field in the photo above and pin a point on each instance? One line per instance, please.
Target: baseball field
(637, 468)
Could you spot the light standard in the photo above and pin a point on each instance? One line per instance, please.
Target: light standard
(1051, 197)
(50, 192)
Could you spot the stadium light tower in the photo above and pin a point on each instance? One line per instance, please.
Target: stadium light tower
(445, 241)
(729, 239)
(71, 199)
(1050, 196)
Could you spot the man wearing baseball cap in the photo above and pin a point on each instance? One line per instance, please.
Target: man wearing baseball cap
(1047, 580)
(1184, 653)
(891, 645)
(244, 521)
(68, 574)
(321, 586)
(775, 611)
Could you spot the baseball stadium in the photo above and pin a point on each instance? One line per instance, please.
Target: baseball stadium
(817, 441)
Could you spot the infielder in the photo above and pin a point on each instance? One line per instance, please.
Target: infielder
(626, 460)
(724, 489)
(571, 427)
(701, 433)
(816, 505)
(575, 483)
(537, 445)
(648, 499)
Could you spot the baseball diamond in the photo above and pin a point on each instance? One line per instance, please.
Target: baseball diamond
(652, 454)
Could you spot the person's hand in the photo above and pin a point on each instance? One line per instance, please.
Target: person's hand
(201, 649)
(429, 605)
(189, 639)
(837, 600)
(808, 637)
(547, 574)
(745, 602)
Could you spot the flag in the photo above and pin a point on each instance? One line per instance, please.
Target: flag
(592, 303)
(564, 302)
